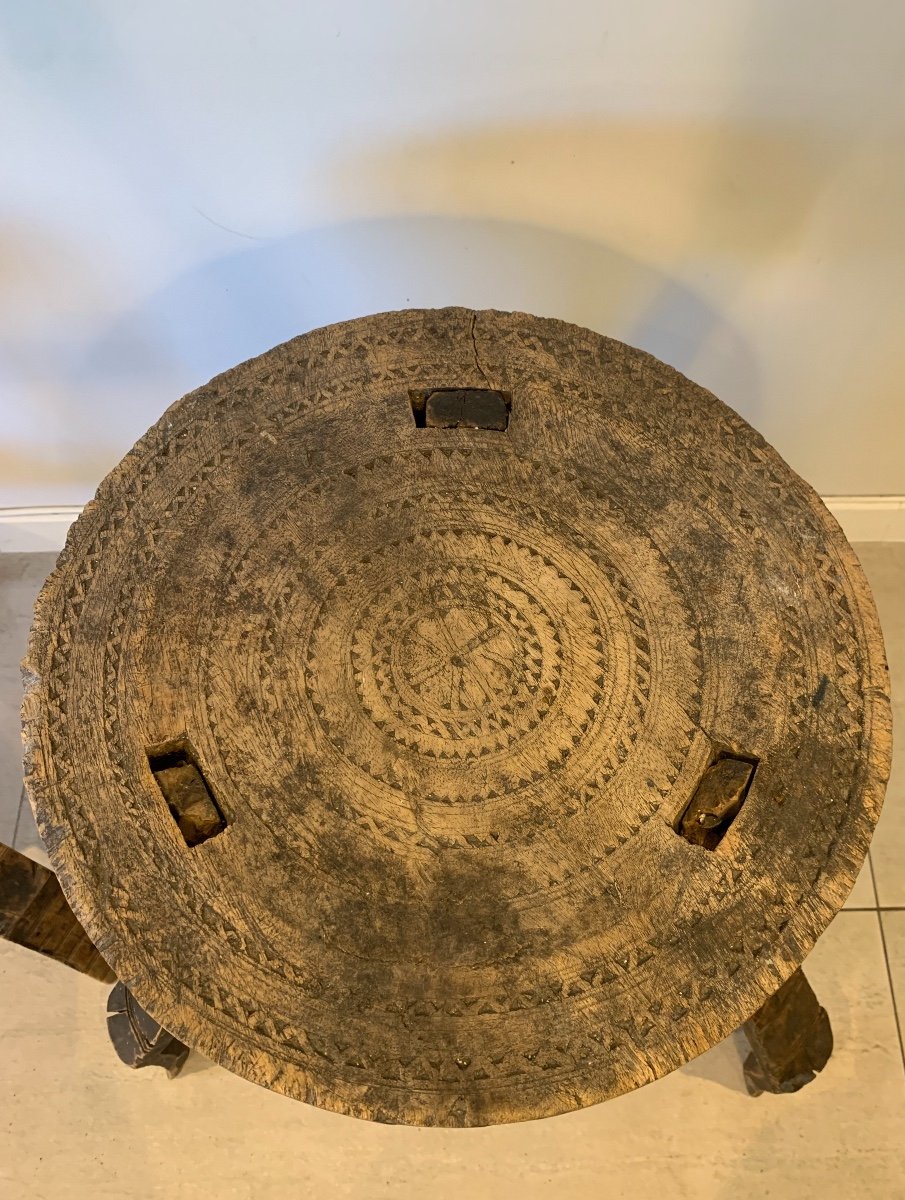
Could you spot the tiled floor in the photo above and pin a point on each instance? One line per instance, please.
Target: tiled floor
(74, 1123)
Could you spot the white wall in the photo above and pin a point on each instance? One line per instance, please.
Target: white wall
(186, 184)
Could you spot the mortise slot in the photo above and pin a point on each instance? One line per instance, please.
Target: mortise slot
(187, 793)
(461, 408)
(717, 800)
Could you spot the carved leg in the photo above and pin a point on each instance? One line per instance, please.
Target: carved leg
(34, 913)
(138, 1039)
(790, 1039)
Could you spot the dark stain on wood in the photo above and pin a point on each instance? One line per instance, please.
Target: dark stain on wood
(450, 689)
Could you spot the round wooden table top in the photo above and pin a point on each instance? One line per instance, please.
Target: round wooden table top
(437, 690)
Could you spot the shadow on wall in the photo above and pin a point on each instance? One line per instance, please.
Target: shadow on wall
(240, 305)
(690, 192)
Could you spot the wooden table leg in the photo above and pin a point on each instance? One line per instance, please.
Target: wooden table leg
(138, 1039)
(34, 913)
(790, 1039)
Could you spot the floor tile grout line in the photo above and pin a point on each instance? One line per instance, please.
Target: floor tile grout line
(873, 878)
(18, 817)
(873, 908)
(892, 990)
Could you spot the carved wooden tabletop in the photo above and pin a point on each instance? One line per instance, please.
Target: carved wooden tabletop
(360, 737)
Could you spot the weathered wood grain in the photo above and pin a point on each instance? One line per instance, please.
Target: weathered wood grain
(453, 689)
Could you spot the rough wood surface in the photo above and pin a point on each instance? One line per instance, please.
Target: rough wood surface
(790, 1039)
(453, 689)
(34, 914)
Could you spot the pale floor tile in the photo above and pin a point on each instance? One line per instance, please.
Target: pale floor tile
(888, 845)
(10, 756)
(9, 793)
(21, 576)
(862, 894)
(884, 565)
(894, 930)
(78, 1124)
(27, 840)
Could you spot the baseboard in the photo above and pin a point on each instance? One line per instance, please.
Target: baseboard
(43, 527)
(869, 518)
(39, 527)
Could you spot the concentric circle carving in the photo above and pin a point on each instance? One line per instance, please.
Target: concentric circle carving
(457, 662)
(452, 689)
(453, 662)
(553, 625)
